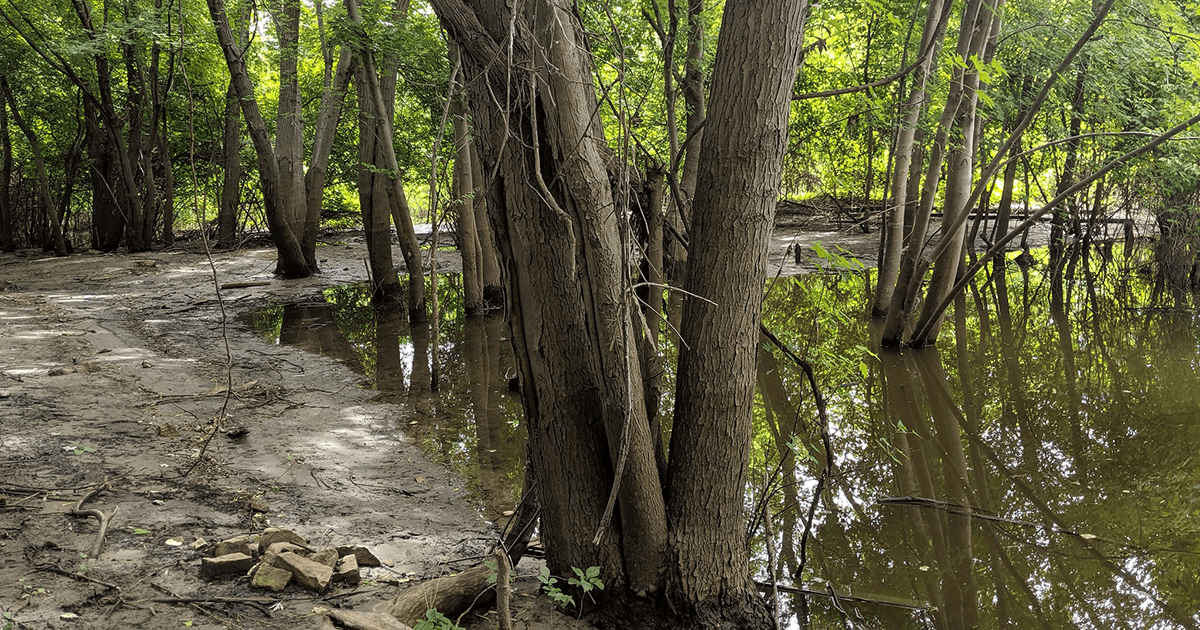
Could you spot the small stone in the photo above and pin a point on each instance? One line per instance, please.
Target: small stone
(327, 557)
(234, 563)
(272, 535)
(147, 364)
(363, 555)
(308, 574)
(168, 430)
(347, 571)
(272, 552)
(367, 620)
(270, 578)
(238, 544)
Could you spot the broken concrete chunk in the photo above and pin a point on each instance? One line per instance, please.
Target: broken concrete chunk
(231, 564)
(347, 571)
(272, 535)
(363, 555)
(270, 578)
(327, 557)
(311, 575)
(268, 556)
(238, 544)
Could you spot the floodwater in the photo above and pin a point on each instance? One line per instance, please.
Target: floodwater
(1038, 469)
(471, 423)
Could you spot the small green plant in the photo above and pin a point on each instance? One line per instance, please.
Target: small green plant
(586, 580)
(80, 449)
(556, 595)
(84, 564)
(435, 620)
(9, 622)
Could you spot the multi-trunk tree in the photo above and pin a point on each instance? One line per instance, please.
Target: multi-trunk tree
(563, 232)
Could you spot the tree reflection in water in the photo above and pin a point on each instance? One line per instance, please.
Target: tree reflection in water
(1038, 471)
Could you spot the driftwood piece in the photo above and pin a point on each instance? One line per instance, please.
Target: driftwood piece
(451, 596)
(244, 285)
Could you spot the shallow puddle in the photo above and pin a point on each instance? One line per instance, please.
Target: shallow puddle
(471, 423)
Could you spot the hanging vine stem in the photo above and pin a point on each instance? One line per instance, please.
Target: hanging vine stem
(433, 220)
(623, 232)
(198, 211)
(822, 412)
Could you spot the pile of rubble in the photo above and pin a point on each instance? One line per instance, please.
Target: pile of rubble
(283, 557)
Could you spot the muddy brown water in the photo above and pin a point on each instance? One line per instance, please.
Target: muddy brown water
(1038, 469)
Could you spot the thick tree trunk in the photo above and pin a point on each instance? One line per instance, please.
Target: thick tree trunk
(231, 160)
(6, 166)
(35, 146)
(291, 263)
(758, 52)
(289, 123)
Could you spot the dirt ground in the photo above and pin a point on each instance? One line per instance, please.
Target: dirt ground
(112, 369)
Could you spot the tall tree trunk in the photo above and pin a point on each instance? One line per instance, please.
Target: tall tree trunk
(758, 52)
(231, 161)
(908, 282)
(231, 147)
(35, 145)
(493, 284)
(332, 101)
(901, 193)
(291, 263)
(289, 122)
(464, 197)
(6, 166)
(372, 200)
(394, 187)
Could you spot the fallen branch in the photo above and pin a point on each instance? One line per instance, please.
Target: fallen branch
(767, 586)
(253, 602)
(50, 568)
(100, 516)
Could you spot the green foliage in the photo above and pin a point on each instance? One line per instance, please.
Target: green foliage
(550, 585)
(435, 620)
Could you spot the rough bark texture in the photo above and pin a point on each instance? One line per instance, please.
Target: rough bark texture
(740, 171)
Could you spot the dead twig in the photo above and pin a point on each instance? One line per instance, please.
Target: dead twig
(100, 516)
(50, 568)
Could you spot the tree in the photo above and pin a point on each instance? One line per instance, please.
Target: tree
(574, 326)
(291, 196)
